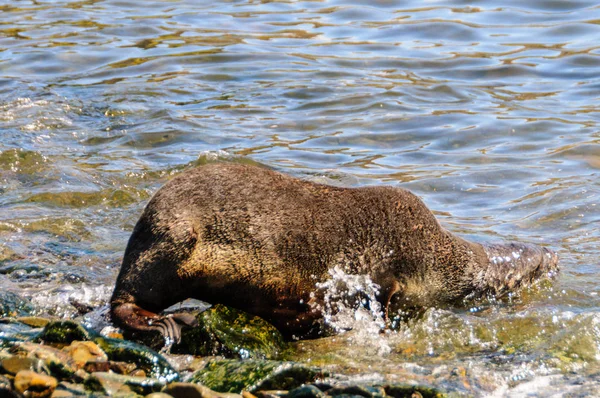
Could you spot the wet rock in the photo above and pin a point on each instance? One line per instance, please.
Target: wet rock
(58, 363)
(66, 389)
(12, 331)
(361, 391)
(85, 351)
(223, 331)
(35, 385)
(308, 391)
(34, 321)
(122, 368)
(405, 390)
(12, 304)
(63, 332)
(15, 364)
(141, 356)
(271, 393)
(114, 384)
(190, 390)
(254, 375)
(4, 382)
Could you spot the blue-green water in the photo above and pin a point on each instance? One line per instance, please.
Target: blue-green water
(487, 110)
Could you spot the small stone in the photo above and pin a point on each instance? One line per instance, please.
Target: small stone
(85, 351)
(138, 373)
(4, 382)
(271, 393)
(8, 393)
(35, 385)
(59, 363)
(350, 390)
(159, 395)
(34, 321)
(306, 391)
(66, 389)
(15, 364)
(142, 357)
(111, 384)
(185, 390)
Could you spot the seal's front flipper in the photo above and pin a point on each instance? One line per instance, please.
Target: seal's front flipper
(133, 317)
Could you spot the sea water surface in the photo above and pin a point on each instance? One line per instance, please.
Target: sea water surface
(488, 110)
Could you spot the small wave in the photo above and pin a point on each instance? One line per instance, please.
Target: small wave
(350, 303)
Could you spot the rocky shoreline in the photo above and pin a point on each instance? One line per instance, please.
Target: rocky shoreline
(234, 355)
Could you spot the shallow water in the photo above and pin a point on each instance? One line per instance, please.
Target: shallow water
(487, 110)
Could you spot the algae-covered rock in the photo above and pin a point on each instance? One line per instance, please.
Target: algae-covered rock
(64, 332)
(254, 375)
(12, 304)
(143, 357)
(229, 332)
(223, 331)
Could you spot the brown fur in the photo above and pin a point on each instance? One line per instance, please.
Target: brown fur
(259, 240)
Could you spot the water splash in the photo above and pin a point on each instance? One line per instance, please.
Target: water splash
(350, 303)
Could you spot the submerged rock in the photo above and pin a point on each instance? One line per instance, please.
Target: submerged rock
(114, 384)
(254, 375)
(12, 304)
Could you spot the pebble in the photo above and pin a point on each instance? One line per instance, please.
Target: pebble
(34, 385)
(83, 352)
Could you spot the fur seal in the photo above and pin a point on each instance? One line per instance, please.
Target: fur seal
(258, 240)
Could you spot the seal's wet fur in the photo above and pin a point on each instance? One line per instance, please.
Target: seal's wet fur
(259, 241)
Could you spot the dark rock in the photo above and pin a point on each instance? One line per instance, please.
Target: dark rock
(410, 391)
(270, 393)
(307, 391)
(254, 375)
(351, 390)
(190, 390)
(143, 357)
